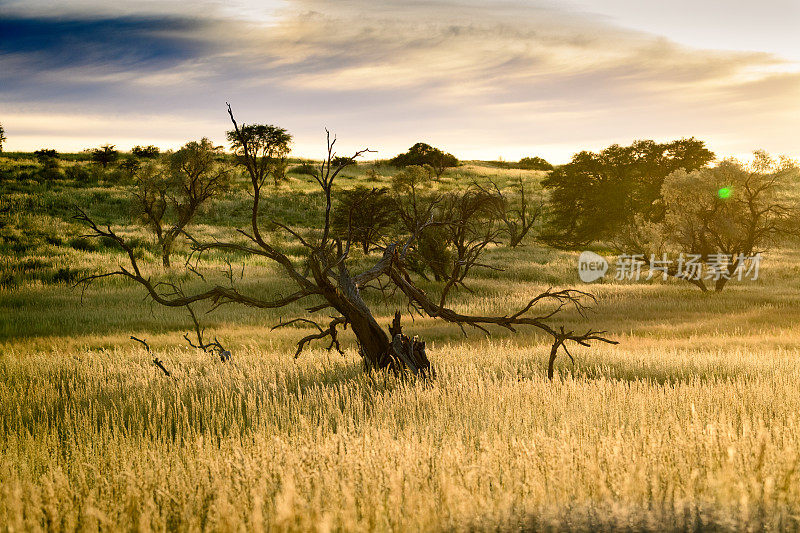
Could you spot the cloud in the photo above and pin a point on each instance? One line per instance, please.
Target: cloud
(481, 79)
(121, 43)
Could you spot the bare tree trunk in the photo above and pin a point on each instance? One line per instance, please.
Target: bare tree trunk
(373, 342)
(552, 360)
(720, 283)
(379, 350)
(166, 250)
(698, 283)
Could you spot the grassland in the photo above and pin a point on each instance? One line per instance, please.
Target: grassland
(692, 422)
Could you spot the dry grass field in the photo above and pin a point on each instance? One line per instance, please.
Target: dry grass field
(691, 423)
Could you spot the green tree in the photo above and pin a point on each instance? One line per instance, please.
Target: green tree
(363, 215)
(263, 150)
(534, 163)
(424, 154)
(145, 152)
(721, 215)
(169, 191)
(105, 155)
(596, 194)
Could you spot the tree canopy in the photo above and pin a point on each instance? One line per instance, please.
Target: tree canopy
(720, 216)
(170, 190)
(424, 154)
(105, 155)
(534, 163)
(596, 194)
(263, 145)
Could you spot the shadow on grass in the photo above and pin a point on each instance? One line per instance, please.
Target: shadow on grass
(659, 375)
(146, 404)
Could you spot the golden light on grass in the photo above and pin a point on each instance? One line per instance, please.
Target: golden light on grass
(692, 422)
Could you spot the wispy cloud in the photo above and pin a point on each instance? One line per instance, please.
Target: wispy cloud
(482, 80)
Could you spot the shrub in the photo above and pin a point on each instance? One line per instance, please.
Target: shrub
(534, 163)
(422, 154)
(44, 155)
(78, 173)
(50, 171)
(307, 169)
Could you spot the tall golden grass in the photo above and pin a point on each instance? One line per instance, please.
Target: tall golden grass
(692, 422)
(644, 436)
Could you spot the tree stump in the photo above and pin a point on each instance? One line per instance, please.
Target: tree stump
(408, 353)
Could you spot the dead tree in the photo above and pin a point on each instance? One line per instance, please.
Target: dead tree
(519, 217)
(156, 361)
(322, 279)
(215, 347)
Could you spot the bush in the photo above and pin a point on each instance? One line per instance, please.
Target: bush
(534, 163)
(422, 154)
(44, 155)
(307, 169)
(50, 171)
(79, 174)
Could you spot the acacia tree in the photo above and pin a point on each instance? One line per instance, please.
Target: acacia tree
(422, 154)
(721, 216)
(105, 155)
(269, 145)
(169, 192)
(365, 214)
(596, 194)
(518, 214)
(323, 279)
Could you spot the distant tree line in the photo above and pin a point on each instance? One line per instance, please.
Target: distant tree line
(646, 198)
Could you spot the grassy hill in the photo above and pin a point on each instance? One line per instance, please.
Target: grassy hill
(692, 421)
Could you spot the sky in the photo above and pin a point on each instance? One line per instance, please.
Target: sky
(483, 79)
